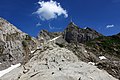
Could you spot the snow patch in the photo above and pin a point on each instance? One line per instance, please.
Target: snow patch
(102, 57)
(32, 51)
(85, 51)
(3, 72)
(91, 63)
(54, 38)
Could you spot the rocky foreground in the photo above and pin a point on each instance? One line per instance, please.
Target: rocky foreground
(54, 63)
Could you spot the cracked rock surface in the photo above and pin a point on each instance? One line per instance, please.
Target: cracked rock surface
(55, 63)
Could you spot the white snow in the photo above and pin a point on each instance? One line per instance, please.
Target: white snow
(85, 51)
(102, 57)
(0, 63)
(32, 51)
(54, 38)
(91, 63)
(3, 72)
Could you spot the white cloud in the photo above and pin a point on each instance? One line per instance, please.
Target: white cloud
(110, 26)
(53, 28)
(50, 10)
(38, 24)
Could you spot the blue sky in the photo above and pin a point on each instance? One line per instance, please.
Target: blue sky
(101, 15)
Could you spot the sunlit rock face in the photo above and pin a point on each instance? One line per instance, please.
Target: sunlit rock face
(11, 47)
(55, 63)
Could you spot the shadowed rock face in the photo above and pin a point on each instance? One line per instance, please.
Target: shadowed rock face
(75, 34)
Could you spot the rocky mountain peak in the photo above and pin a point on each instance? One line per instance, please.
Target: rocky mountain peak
(87, 28)
(75, 34)
(72, 25)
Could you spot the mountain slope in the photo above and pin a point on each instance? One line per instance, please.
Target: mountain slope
(58, 55)
(55, 63)
(110, 48)
(12, 44)
(89, 46)
(107, 45)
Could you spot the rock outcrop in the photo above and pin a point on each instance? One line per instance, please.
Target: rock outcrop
(55, 63)
(12, 50)
(78, 35)
(45, 35)
(108, 47)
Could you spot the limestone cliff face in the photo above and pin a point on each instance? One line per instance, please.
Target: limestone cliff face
(75, 34)
(11, 47)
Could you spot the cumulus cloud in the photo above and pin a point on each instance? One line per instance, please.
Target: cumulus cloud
(110, 26)
(50, 10)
